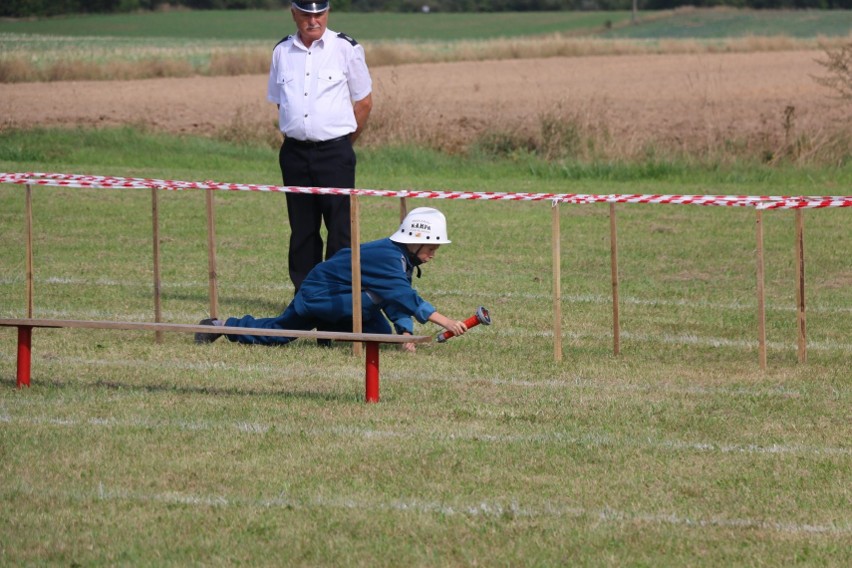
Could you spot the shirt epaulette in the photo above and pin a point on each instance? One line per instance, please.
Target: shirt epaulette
(282, 41)
(347, 38)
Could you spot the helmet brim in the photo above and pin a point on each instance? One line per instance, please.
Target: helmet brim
(412, 240)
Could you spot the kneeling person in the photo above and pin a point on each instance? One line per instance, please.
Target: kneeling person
(387, 266)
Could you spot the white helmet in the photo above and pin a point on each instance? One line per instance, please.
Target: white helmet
(423, 225)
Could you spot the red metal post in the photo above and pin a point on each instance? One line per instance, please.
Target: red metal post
(372, 375)
(25, 336)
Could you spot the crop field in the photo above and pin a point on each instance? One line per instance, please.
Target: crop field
(445, 27)
(197, 38)
(706, 24)
(263, 25)
(238, 42)
(485, 450)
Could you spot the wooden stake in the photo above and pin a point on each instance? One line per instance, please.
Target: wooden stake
(761, 299)
(355, 229)
(155, 221)
(403, 209)
(557, 281)
(212, 275)
(29, 276)
(800, 285)
(613, 246)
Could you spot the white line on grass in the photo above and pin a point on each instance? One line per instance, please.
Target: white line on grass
(629, 300)
(517, 332)
(587, 440)
(581, 383)
(287, 291)
(682, 339)
(691, 339)
(499, 380)
(474, 509)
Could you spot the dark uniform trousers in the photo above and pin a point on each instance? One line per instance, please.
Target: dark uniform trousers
(316, 164)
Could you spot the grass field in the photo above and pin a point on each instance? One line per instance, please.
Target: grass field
(198, 36)
(679, 451)
(247, 25)
(483, 451)
(720, 23)
(264, 25)
(123, 46)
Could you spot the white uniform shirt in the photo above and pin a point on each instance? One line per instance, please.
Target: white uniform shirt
(316, 86)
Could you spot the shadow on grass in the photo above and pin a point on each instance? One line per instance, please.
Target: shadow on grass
(190, 390)
(264, 308)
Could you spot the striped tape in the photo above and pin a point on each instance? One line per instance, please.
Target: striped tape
(757, 202)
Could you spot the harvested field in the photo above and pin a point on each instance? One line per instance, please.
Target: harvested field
(681, 101)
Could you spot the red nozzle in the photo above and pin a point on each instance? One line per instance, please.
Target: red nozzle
(480, 317)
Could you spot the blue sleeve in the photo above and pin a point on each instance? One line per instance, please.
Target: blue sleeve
(403, 322)
(402, 325)
(383, 272)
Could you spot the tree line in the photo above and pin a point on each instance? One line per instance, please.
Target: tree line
(42, 8)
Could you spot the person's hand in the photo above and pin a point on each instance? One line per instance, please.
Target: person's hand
(454, 326)
(457, 327)
(409, 347)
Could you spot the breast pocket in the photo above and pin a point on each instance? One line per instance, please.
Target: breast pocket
(286, 85)
(285, 80)
(330, 80)
(331, 76)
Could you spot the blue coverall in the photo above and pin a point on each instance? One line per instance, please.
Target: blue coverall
(325, 296)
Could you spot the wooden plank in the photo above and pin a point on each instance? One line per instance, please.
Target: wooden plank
(29, 221)
(761, 295)
(355, 237)
(613, 260)
(155, 221)
(212, 274)
(195, 328)
(556, 261)
(800, 286)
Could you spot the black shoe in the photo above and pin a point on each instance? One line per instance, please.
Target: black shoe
(207, 337)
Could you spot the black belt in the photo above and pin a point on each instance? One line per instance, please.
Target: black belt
(312, 144)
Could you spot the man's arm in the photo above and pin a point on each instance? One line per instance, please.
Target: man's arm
(362, 110)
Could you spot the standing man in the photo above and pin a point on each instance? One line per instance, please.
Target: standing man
(320, 82)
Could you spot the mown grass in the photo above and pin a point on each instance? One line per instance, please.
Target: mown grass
(679, 451)
(393, 166)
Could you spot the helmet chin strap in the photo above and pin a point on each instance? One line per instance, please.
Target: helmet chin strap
(415, 260)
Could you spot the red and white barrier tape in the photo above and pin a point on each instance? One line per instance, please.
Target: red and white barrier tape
(758, 202)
